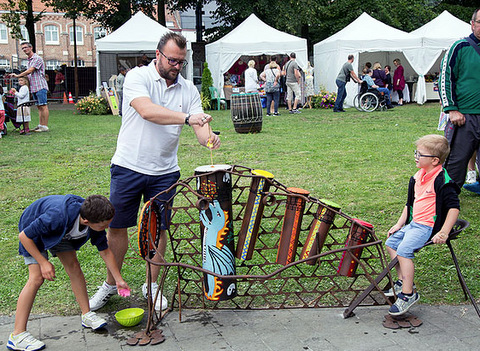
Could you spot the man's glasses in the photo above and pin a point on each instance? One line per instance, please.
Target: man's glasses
(173, 62)
(418, 155)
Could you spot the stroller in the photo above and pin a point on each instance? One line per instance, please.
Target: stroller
(10, 114)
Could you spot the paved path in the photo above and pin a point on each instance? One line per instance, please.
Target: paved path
(453, 328)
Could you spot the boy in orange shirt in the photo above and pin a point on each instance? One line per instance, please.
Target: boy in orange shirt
(431, 211)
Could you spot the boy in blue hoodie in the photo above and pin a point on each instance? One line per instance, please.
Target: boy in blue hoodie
(61, 224)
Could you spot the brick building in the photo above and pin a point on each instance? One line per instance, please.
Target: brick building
(54, 40)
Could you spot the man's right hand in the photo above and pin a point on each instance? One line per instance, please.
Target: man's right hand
(456, 118)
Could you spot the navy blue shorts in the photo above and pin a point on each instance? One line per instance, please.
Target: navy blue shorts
(127, 188)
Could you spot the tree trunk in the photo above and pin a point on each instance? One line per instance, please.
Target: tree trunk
(30, 24)
(161, 13)
(75, 69)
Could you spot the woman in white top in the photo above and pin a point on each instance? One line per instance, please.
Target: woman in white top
(251, 78)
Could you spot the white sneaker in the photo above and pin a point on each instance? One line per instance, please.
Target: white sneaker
(24, 341)
(102, 295)
(471, 177)
(161, 303)
(91, 320)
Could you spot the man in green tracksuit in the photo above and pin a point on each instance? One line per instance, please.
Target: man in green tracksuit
(460, 96)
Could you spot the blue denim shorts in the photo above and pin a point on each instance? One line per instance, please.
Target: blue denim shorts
(408, 239)
(127, 188)
(41, 97)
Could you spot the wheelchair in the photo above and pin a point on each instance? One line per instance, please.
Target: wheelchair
(369, 100)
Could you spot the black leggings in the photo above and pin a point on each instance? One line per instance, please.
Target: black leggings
(400, 94)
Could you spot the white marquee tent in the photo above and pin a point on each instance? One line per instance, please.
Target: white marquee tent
(252, 37)
(139, 35)
(437, 36)
(365, 35)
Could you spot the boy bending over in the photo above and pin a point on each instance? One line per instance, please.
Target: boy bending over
(432, 208)
(61, 224)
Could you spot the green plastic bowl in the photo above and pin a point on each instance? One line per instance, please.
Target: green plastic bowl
(129, 317)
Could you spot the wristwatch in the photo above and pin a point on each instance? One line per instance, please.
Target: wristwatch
(187, 119)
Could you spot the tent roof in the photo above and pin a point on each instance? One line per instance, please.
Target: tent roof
(367, 33)
(139, 33)
(255, 37)
(446, 27)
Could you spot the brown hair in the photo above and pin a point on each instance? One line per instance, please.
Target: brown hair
(97, 209)
(179, 40)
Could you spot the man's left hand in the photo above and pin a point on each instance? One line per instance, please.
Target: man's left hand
(200, 119)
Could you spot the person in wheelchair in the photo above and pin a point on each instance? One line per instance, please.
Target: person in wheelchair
(371, 85)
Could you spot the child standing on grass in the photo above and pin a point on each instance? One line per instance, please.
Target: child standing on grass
(23, 113)
(432, 208)
(61, 224)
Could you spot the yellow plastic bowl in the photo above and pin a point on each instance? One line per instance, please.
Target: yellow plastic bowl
(129, 317)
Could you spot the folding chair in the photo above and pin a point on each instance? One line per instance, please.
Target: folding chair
(459, 226)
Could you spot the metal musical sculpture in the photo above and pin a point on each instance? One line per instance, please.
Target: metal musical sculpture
(214, 183)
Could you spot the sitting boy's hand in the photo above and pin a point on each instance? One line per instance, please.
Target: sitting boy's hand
(440, 238)
(394, 229)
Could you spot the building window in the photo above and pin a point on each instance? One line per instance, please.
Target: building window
(51, 34)
(80, 63)
(23, 64)
(52, 64)
(4, 63)
(99, 32)
(3, 33)
(79, 33)
(24, 32)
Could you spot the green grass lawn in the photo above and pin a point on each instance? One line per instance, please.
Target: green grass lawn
(361, 161)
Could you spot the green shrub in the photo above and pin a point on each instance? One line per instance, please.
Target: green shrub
(205, 101)
(207, 82)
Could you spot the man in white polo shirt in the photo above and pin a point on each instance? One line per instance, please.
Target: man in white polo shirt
(158, 103)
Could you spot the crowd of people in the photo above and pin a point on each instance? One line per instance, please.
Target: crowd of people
(158, 102)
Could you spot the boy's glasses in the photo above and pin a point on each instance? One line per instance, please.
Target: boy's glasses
(418, 155)
(174, 62)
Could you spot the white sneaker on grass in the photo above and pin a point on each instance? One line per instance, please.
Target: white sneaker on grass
(471, 177)
(161, 303)
(24, 341)
(91, 320)
(398, 285)
(102, 295)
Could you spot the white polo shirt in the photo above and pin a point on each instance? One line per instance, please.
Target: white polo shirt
(144, 146)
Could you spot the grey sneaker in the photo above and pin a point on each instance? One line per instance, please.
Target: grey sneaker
(398, 289)
(161, 303)
(102, 295)
(24, 341)
(91, 320)
(403, 303)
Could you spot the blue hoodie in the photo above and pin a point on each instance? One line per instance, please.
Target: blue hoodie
(48, 219)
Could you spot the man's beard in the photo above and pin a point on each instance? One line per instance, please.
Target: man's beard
(168, 74)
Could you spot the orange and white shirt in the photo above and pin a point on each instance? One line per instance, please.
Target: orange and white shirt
(424, 205)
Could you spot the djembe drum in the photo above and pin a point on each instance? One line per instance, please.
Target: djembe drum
(214, 183)
(322, 220)
(253, 214)
(357, 235)
(247, 113)
(292, 221)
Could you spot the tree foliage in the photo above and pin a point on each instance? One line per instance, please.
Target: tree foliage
(316, 20)
(18, 9)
